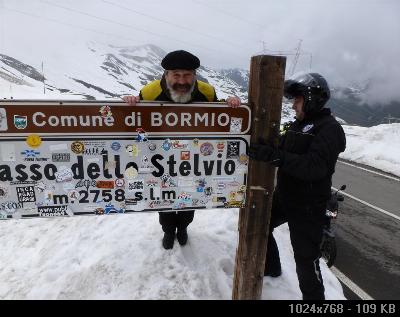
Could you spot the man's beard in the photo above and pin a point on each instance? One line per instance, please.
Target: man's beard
(179, 98)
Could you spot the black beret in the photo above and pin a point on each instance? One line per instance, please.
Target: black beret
(180, 60)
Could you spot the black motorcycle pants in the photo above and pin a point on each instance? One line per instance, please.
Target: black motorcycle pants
(306, 228)
(176, 220)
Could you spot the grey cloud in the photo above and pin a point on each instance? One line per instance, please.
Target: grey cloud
(351, 41)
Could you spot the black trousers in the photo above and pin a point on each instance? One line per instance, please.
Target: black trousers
(176, 220)
(306, 227)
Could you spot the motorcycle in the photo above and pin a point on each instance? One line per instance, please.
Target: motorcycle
(328, 244)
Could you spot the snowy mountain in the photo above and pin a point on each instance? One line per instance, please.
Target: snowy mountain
(353, 105)
(96, 71)
(240, 76)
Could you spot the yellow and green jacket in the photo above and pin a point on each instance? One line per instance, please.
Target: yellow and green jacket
(157, 91)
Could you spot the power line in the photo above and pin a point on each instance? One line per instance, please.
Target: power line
(124, 25)
(170, 23)
(65, 24)
(43, 78)
(297, 53)
(229, 14)
(69, 24)
(113, 35)
(249, 37)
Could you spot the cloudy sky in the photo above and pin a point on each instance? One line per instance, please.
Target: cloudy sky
(349, 41)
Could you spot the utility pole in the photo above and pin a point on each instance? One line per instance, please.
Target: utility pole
(267, 75)
(296, 58)
(296, 53)
(264, 47)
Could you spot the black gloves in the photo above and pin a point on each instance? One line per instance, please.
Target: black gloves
(260, 152)
(264, 152)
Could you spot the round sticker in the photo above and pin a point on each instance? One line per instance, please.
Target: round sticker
(115, 146)
(206, 149)
(152, 146)
(120, 182)
(77, 147)
(34, 140)
(131, 172)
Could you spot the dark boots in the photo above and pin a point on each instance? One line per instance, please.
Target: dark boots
(175, 221)
(272, 262)
(168, 240)
(182, 236)
(273, 273)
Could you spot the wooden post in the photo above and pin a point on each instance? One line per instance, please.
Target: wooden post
(265, 98)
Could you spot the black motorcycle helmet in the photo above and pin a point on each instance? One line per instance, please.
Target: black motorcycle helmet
(312, 86)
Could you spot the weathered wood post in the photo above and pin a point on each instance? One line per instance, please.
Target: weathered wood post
(265, 98)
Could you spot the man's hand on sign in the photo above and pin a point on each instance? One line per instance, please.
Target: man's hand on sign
(233, 102)
(131, 100)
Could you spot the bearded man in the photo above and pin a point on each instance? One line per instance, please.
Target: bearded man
(179, 84)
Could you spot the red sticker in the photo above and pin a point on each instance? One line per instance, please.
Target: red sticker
(105, 184)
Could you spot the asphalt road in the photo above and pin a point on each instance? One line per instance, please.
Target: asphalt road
(368, 241)
(375, 189)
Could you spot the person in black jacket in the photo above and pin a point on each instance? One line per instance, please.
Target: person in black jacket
(306, 159)
(178, 85)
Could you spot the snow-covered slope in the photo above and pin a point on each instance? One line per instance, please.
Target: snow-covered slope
(121, 257)
(377, 146)
(94, 71)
